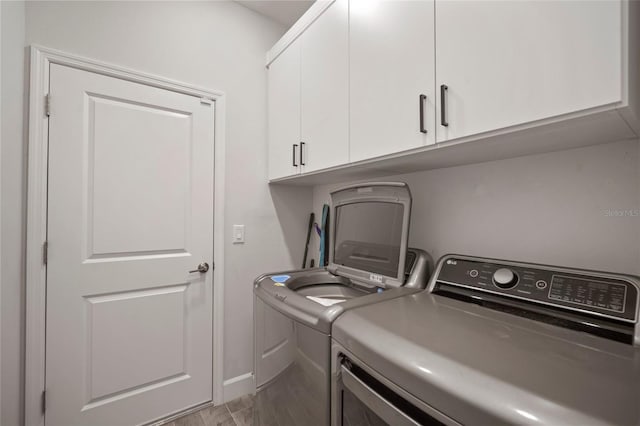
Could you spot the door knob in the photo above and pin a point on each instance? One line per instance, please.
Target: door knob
(202, 268)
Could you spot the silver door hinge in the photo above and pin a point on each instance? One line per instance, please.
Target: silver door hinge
(47, 104)
(44, 401)
(45, 252)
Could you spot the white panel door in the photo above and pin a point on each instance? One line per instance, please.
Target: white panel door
(129, 328)
(392, 63)
(325, 89)
(512, 62)
(283, 93)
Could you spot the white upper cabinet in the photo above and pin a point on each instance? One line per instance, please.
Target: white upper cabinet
(391, 65)
(283, 109)
(398, 85)
(325, 89)
(506, 63)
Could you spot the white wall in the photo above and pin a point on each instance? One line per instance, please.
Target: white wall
(13, 157)
(548, 208)
(218, 45)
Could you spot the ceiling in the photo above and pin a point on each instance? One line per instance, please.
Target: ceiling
(285, 12)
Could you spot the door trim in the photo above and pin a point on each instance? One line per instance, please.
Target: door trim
(36, 271)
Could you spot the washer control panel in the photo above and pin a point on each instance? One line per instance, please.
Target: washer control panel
(604, 294)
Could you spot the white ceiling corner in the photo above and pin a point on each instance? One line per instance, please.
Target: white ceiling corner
(285, 12)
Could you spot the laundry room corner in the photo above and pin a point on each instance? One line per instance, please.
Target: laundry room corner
(283, 228)
(293, 205)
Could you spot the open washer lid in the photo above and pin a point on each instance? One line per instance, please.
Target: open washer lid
(370, 231)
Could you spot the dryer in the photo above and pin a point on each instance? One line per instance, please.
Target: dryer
(493, 342)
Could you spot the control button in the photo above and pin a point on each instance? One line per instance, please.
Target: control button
(473, 273)
(505, 278)
(541, 284)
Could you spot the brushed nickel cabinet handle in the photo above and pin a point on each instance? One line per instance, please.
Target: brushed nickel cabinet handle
(443, 105)
(423, 99)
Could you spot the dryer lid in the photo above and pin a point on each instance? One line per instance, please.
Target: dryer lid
(370, 229)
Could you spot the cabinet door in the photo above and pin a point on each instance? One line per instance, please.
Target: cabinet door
(325, 89)
(392, 63)
(283, 89)
(511, 62)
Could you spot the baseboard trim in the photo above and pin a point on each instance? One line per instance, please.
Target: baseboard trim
(238, 386)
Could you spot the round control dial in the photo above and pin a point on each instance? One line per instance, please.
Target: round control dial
(505, 278)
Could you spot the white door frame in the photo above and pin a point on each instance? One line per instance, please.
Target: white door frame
(36, 270)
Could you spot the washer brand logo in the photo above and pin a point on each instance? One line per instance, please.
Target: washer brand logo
(451, 262)
(375, 277)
